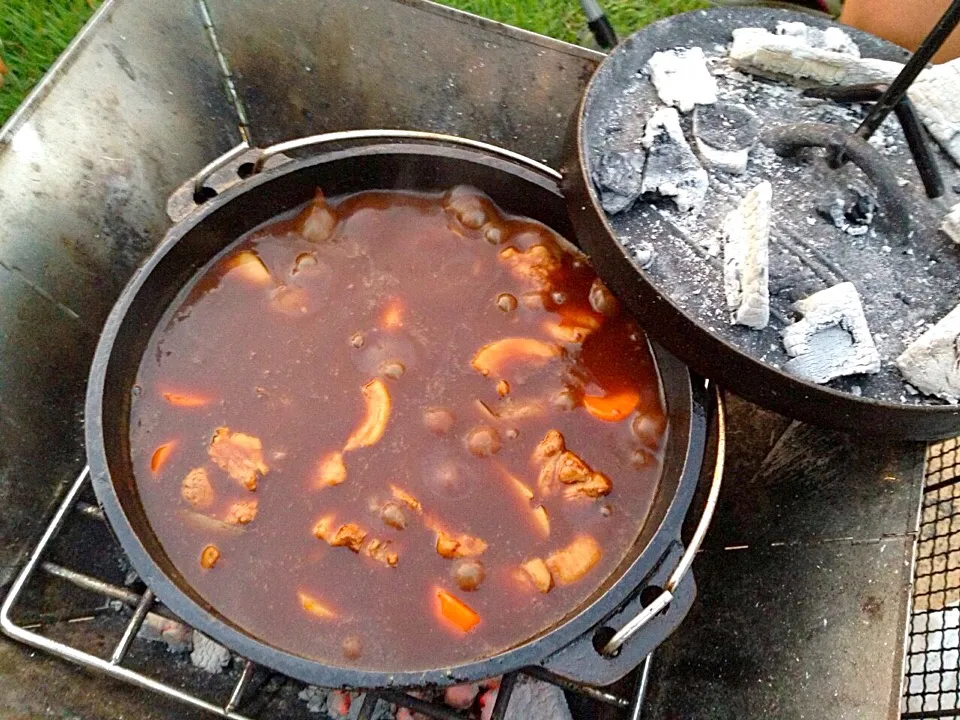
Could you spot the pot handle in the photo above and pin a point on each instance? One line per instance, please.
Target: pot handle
(634, 626)
(263, 155)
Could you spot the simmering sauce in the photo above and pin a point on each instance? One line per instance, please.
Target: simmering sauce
(396, 431)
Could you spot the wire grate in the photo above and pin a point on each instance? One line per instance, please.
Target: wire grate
(931, 687)
(102, 629)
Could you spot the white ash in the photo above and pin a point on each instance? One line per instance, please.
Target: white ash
(932, 362)
(936, 96)
(208, 655)
(760, 49)
(746, 258)
(682, 79)
(672, 170)
(833, 38)
(831, 339)
(725, 133)
(341, 705)
(531, 700)
(951, 224)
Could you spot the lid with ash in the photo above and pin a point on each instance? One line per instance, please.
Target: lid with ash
(822, 290)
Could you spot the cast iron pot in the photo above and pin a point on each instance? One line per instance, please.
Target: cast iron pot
(573, 647)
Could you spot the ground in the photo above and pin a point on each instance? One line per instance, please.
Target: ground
(34, 32)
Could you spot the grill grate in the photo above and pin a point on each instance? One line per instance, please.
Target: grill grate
(932, 669)
(79, 630)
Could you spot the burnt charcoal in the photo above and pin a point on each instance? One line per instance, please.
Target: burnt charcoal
(853, 213)
(619, 179)
(725, 134)
(672, 170)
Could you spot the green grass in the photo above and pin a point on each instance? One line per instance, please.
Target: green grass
(34, 32)
(564, 20)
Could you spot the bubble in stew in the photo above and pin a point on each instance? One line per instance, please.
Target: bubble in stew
(397, 430)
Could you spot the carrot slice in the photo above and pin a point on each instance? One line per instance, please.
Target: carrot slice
(314, 606)
(392, 316)
(456, 612)
(493, 357)
(374, 423)
(187, 400)
(161, 455)
(613, 407)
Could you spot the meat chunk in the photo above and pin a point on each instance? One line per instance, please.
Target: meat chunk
(552, 444)
(196, 488)
(239, 455)
(331, 470)
(380, 550)
(242, 512)
(456, 545)
(597, 485)
(536, 266)
(560, 465)
(572, 563)
(348, 535)
(537, 572)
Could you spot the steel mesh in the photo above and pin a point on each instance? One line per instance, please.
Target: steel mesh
(932, 667)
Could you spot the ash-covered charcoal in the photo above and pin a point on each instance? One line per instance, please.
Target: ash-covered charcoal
(208, 655)
(681, 78)
(832, 338)
(619, 179)
(531, 700)
(852, 213)
(951, 224)
(932, 362)
(759, 49)
(725, 133)
(746, 259)
(833, 38)
(936, 96)
(644, 253)
(672, 170)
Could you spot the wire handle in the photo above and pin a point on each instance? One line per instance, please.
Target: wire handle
(683, 566)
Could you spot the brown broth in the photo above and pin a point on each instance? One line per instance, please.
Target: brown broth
(276, 358)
